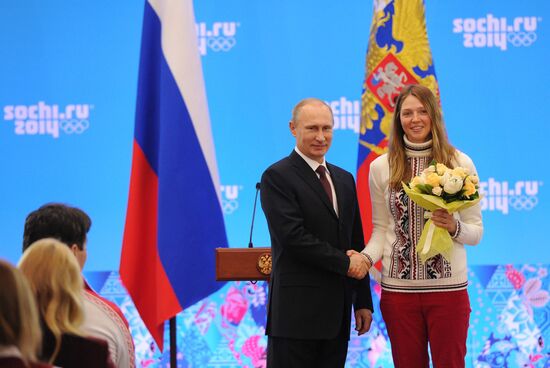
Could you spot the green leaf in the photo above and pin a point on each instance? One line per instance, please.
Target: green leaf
(425, 188)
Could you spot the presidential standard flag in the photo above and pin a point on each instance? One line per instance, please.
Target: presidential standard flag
(398, 54)
(174, 218)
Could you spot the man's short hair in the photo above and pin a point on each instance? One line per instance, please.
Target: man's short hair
(308, 101)
(59, 221)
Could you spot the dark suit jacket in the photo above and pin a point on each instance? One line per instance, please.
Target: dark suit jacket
(77, 351)
(310, 296)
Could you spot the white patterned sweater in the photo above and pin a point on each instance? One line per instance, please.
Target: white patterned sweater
(398, 223)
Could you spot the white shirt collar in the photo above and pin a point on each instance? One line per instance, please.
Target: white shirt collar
(312, 163)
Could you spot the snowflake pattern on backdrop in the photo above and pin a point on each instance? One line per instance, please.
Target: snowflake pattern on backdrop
(509, 325)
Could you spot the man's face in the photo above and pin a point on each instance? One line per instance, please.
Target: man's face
(313, 130)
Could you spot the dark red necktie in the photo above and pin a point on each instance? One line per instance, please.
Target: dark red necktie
(322, 171)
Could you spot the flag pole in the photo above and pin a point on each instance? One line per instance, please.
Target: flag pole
(173, 343)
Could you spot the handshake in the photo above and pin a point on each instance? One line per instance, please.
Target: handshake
(359, 265)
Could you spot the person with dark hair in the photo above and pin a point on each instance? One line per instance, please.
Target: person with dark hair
(422, 303)
(20, 333)
(313, 216)
(103, 318)
(67, 224)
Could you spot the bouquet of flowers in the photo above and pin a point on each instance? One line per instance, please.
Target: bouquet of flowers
(441, 187)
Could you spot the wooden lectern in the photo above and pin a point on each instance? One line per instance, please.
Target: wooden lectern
(243, 264)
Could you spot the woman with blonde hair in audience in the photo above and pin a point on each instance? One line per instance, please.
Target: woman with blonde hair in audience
(20, 335)
(54, 277)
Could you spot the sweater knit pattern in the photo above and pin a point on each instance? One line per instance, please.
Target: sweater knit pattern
(409, 222)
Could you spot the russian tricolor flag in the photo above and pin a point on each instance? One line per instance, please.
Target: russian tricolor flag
(174, 218)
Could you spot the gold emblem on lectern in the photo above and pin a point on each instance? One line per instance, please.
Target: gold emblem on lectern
(264, 264)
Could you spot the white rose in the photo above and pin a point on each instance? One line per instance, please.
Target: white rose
(430, 169)
(453, 185)
(443, 179)
(437, 191)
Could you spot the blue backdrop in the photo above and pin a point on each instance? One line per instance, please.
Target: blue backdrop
(69, 73)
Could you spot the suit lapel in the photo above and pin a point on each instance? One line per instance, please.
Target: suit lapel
(310, 177)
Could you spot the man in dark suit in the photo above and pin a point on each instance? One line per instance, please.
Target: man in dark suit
(313, 218)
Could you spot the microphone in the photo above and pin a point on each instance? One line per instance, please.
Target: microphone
(250, 245)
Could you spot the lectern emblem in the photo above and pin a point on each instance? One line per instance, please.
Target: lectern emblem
(264, 264)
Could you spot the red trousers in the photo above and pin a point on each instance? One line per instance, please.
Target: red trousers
(415, 319)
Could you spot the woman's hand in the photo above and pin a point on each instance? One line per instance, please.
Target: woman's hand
(444, 219)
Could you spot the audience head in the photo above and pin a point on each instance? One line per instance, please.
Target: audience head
(19, 323)
(54, 277)
(67, 224)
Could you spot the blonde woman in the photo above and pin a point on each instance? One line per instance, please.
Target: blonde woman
(422, 302)
(54, 277)
(20, 335)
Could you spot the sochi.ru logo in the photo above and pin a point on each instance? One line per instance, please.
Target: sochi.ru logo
(503, 196)
(230, 198)
(220, 36)
(499, 32)
(44, 119)
(347, 114)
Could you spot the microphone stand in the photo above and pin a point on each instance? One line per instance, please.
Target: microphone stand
(250, 245)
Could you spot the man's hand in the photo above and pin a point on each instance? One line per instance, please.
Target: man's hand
(363, 319)
(358, 265)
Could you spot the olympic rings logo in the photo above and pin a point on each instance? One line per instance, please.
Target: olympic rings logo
(74, 126)
(521, 38)
(229, 206)
(523, 202)
(221, 43)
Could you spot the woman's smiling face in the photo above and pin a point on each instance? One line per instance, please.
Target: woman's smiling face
(415, 120)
